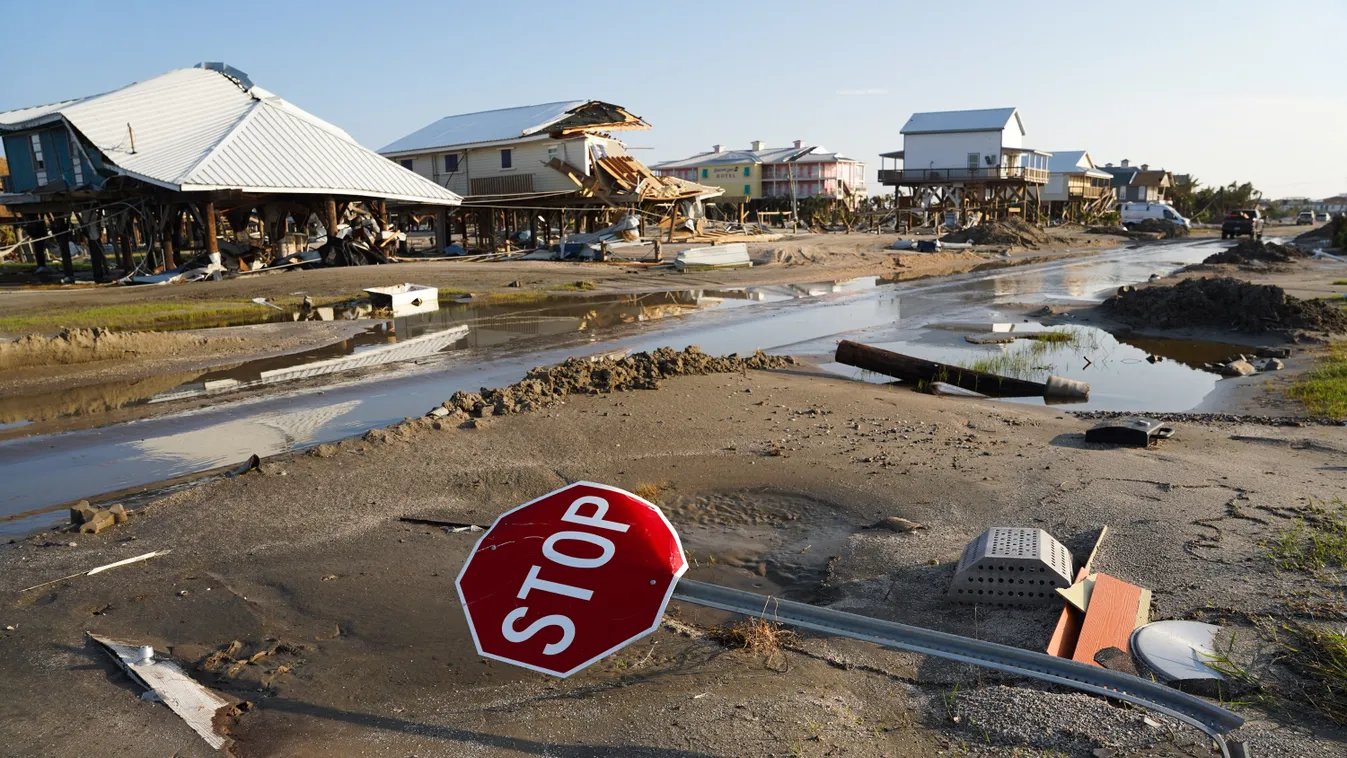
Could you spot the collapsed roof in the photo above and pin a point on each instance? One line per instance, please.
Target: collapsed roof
(549, 119)
(209, 128)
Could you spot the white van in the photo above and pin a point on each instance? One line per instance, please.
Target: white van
(1132, 213)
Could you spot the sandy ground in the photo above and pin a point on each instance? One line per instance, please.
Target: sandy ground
(310, 552)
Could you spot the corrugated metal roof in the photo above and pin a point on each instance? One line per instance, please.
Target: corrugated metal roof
(198, 129)
(484, 126)
(986, 120)
(767, 156)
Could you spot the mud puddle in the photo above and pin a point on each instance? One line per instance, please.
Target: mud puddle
(1125, 373)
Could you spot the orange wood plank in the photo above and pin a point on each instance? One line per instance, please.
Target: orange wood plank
(1067, 632)
(1110, 619)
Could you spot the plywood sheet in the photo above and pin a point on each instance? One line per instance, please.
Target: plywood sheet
(1114, 607)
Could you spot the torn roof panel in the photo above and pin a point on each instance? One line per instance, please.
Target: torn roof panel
(514, 123)
(200, 129)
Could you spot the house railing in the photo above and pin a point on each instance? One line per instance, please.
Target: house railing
(963, 174)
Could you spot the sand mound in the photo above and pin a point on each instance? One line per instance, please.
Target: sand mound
(1009, 232)
(1224, 302)
(643, 371)
(1248, 251)
(89, 345)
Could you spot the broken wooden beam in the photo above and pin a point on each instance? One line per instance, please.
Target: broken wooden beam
(916, 370)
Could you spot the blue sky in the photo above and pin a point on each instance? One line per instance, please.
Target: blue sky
(1224, 90)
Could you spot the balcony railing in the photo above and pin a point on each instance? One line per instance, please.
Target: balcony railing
(964, 174)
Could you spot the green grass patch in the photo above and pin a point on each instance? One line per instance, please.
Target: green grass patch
(166, 316)
(1059, 336)
(1323, 389)
(1340, 283)
(583, 285)
(1317, 540)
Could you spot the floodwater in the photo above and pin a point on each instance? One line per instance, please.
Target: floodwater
(502, 342)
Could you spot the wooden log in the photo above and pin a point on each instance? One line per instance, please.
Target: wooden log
(914, 370)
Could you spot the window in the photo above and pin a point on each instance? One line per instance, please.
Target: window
(451, 163)
(704, 174)
(39, 163)
(973, 159)
(506, 158)
(79, 168)
(406, 163)
(748, 188)
(554, 151)
(746, 171)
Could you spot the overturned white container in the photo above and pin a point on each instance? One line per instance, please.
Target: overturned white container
(405, 299)
(733, 255)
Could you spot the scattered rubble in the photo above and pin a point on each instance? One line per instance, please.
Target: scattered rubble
(88, 519)
(1223, 302)
(1249, 251)
(544, 386)
(1008, 232)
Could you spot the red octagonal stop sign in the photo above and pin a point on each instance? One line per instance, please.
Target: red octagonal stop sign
(561, 581)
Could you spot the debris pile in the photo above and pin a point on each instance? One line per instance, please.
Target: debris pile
(544, 386)
(1009, 232)
(1166, 229)
(1250, 251)
(1223, 302)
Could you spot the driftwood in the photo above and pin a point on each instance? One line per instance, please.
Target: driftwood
(916, 370)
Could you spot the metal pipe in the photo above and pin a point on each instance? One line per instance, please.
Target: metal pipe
(1211, 719)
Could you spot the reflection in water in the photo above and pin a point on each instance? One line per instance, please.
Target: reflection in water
(1120, 376)
(233, 441)
(94, 399)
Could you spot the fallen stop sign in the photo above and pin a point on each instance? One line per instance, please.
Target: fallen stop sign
(562, 581)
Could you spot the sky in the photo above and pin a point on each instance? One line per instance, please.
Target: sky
(1226, 91)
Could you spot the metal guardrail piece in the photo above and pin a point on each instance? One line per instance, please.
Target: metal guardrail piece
(1211, 719)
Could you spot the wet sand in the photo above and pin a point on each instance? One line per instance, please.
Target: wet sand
(772, 478)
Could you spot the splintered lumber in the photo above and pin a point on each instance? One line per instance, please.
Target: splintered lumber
(1115, 607)
(914, 370)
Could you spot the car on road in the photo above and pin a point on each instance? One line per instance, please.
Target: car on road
(1135, 213)
(1241, 222)
(1323, 217)
(1305, 217)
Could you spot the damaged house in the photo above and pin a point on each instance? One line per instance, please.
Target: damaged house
(526, 171)
(176, 166)
(1076, 190)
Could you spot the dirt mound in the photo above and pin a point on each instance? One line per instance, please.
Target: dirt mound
(1009, 232)
(580, 376)
(1224, 302)
(89, 345)
(1249, 251)
(1168, 229)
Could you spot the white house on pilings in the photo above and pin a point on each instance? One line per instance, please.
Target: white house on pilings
(966, 164)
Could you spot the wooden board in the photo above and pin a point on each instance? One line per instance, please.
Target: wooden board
(193, 702)
(1067, 632)
(1110, 620)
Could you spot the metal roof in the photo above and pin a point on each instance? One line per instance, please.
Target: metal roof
(987, 120)
(197, 129)
(1075, 162)
(484, 126)
(814, 154)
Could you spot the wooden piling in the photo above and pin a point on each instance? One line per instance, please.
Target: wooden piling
(916, 370)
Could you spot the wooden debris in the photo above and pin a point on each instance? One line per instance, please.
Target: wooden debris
(1078, 594)
(1115, 606)
(196, 704)
(916, 370)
